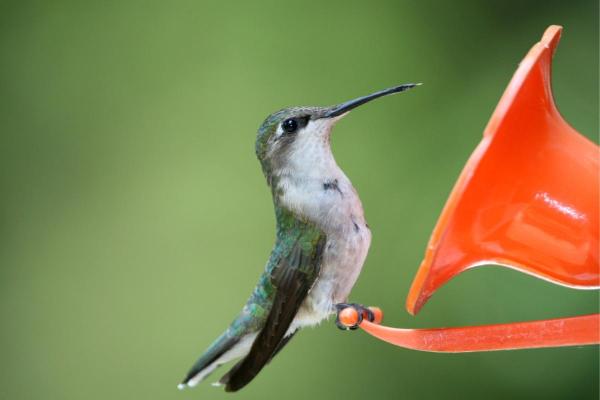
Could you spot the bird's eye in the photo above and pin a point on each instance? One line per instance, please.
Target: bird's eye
(289, 125)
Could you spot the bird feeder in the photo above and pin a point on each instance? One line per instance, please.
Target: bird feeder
(527, 199)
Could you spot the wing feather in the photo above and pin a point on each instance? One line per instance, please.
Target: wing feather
(292, 277)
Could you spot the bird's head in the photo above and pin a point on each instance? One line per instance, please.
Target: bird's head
(295, 139)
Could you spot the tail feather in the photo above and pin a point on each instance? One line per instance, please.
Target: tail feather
(209, 361)
(227, 378)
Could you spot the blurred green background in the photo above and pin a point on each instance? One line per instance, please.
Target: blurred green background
(134, 219)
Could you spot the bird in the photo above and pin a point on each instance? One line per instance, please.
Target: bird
(322, 240)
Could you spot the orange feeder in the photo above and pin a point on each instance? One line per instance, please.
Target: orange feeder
(527, 199)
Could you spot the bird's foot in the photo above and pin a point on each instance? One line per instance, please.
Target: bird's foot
(350, 315)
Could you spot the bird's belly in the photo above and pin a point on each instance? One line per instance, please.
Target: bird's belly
(342, 262)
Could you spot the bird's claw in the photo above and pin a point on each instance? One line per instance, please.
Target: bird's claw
(362, 313)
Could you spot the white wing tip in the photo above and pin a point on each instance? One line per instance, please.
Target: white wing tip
(181, 386)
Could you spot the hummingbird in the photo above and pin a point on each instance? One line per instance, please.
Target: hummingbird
(322, 240)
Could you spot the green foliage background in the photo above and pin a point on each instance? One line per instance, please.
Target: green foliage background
(134, 219)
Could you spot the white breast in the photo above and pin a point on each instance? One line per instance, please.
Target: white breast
(313, 186)
(325, 196)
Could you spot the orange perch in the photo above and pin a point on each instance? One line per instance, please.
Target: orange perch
(558, 332)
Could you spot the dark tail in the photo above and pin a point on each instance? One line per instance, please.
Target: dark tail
(209, 361)
(236, 378)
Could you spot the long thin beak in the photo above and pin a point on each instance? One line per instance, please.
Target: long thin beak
(340, 109)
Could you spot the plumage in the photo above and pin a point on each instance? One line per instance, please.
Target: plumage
(292, 277)
(291, 271)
